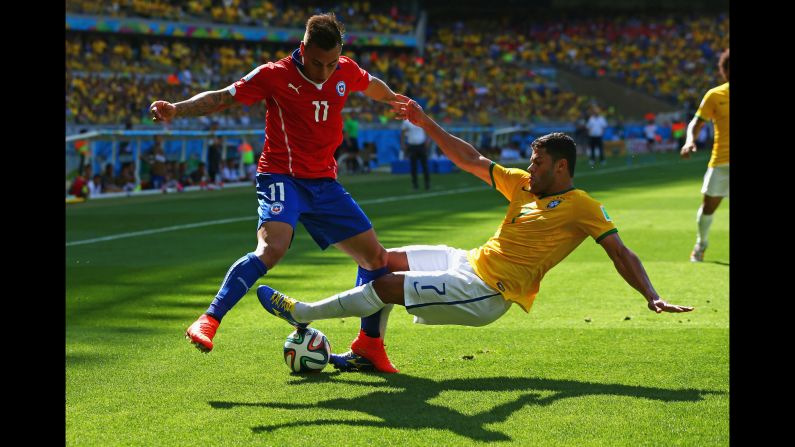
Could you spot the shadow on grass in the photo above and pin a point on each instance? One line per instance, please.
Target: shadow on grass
(402, 401)
(718, 262)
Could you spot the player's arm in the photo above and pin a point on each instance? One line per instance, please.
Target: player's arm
(693, 128)
(457, 150)
(204, 103)
(630, 268)
(379, 91)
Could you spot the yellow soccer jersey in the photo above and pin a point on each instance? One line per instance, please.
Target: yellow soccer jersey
(536, 234)
(715, 107)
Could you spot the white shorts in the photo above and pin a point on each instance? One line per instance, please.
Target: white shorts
(716, 182)
(442, 288)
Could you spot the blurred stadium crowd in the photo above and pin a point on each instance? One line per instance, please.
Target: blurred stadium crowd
(471, 71)
(379, 17)
(479, 71)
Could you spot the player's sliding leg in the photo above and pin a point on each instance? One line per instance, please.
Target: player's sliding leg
(279, 304)
(357, 302)
(273, 240)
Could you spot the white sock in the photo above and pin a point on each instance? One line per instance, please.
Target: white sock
(384, 317)
(704, 221)
(360, 301)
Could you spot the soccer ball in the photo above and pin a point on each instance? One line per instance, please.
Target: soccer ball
(306, 350)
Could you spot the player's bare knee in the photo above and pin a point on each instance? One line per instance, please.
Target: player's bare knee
(397, 260)
(277, 249)
(389, 288)
(375, 260)
(271, 253)
(710, 204)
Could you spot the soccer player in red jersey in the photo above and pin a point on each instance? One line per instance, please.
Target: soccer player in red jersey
(296, 174)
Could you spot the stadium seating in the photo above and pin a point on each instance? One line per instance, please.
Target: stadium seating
(470, 72)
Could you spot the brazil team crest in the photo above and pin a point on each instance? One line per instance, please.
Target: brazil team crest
(341, 88)
(553, 204)
(277, 208)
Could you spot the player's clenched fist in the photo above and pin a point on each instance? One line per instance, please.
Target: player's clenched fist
(162, 111)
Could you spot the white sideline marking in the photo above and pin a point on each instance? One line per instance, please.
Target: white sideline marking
(360, 202)
(157, 230)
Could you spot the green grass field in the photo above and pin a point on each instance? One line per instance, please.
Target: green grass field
(627, 377)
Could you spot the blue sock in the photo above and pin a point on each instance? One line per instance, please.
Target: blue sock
(371, 324)
(240, 277)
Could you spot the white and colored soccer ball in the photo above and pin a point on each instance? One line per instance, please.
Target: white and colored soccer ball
(306, 350)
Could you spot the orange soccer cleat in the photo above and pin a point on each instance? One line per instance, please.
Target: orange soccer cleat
(373, 350)
(201, 333)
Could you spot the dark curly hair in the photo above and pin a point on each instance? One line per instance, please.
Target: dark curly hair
(558, 145)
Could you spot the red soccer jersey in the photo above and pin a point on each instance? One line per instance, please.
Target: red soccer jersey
(303, 124)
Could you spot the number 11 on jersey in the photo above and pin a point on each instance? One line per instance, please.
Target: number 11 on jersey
(317, 109)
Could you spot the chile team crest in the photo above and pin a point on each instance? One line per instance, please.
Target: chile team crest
(341, 88)
(277, 208)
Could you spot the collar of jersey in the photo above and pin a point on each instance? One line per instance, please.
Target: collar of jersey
(298, 66)
(557, 193)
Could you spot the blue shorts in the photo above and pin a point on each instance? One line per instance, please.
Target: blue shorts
(328, 212)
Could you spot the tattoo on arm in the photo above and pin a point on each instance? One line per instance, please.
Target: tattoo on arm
(205, 103)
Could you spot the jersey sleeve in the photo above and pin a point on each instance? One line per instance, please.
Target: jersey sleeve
(594, 221)
(254, 86)
(706, 111)
(507, 180)
(358, 77)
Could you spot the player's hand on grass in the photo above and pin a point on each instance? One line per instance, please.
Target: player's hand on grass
(687, 149)
(658, 305)
(162, 111)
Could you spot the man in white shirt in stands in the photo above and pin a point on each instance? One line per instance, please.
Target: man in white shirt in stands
(229, 172)
(596, 128)
(414, 143)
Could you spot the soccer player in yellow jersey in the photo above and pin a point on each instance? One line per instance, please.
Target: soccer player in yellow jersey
(715, 107)
(547, 218)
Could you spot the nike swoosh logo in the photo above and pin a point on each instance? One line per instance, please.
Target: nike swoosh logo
(245, 286)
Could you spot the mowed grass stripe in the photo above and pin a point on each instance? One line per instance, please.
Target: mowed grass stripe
(361, 202)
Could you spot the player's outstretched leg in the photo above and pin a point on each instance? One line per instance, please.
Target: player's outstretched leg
(241, 275)
(279, 304)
